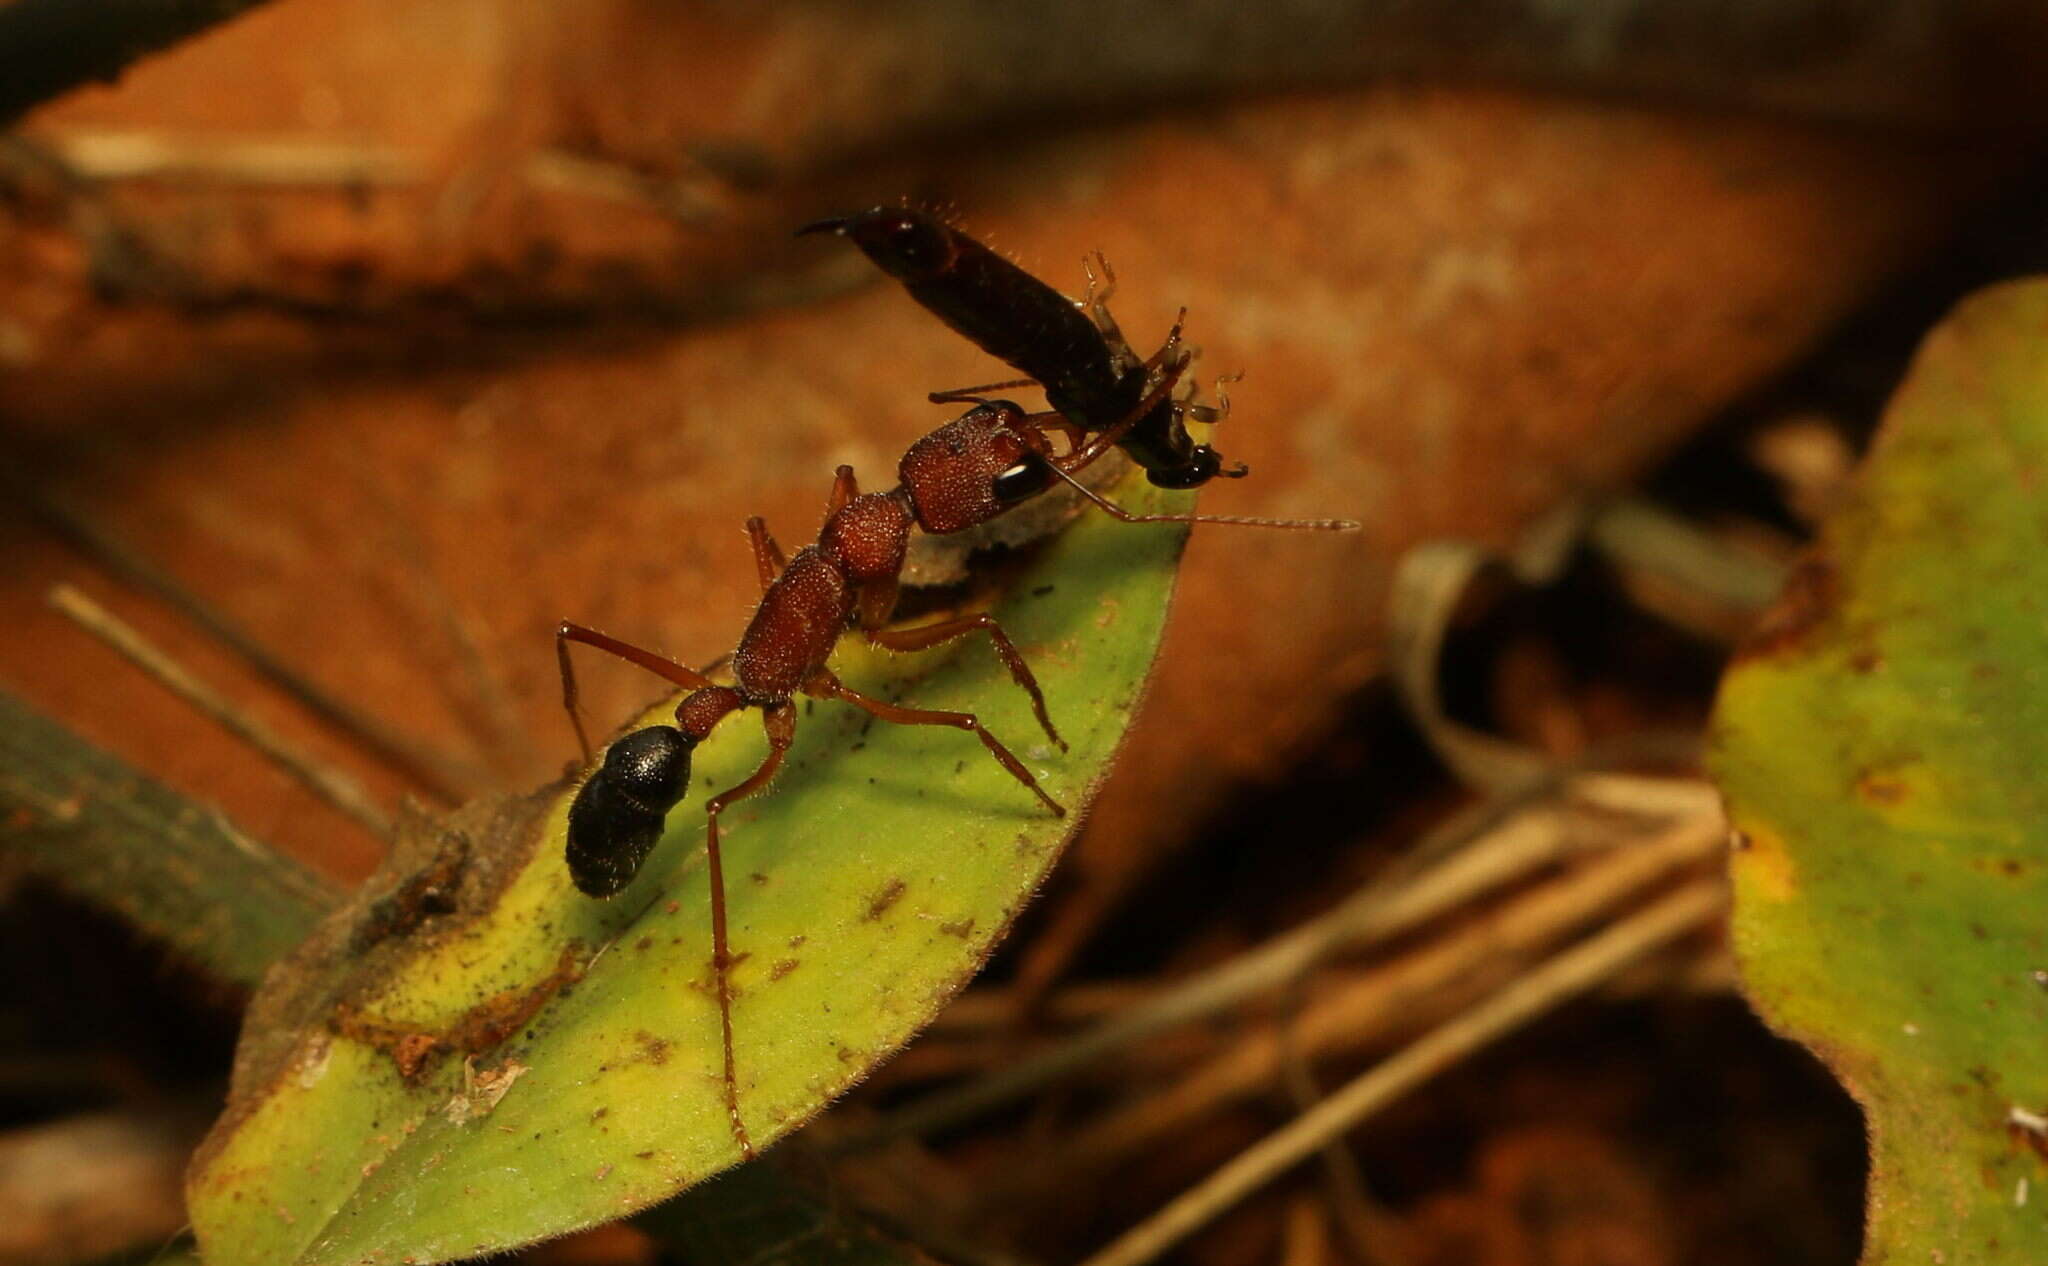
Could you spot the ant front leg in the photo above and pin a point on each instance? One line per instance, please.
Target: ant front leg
(825, 685)
(931, 635)
(779, 720)
(660, 665)
(844, 489)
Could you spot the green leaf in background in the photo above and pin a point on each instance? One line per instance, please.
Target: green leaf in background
(423, 1083)
(1883, 745)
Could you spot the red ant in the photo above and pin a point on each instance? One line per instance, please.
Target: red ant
(965, 473)
(1073, 350)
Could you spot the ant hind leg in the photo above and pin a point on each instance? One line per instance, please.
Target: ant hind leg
(779, 720)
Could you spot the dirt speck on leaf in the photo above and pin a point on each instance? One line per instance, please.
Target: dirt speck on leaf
(479, 1029)
(1881, 788)
(889, 894)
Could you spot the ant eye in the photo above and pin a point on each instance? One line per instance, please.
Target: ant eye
(1021, 482)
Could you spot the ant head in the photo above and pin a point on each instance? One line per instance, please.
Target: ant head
(908, 244)
(975, 467)
(1205, 464)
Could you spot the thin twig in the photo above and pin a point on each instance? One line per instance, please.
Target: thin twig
(330, 784)
(1637, 533)
(446, 777)
(273, 161)
(1362, 1219)
(1365, 1008)
(1554, 982)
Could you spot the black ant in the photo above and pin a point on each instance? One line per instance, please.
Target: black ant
(1073, 350)
(965, 473)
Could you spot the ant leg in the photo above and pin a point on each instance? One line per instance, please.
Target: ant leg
(659, 665)
(1163, 377)
(831, 687)
(930, 635)
(768, 559)
(1117, 512)
(844, 489)
(779, 720)
(1052, 420)
(972, 395)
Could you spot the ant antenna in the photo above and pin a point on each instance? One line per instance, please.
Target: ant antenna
(1115, 511)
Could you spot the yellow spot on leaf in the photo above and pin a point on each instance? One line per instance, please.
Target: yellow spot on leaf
(1763, 868)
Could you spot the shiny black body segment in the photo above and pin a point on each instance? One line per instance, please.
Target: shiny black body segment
(617, 815)
(1024, 322)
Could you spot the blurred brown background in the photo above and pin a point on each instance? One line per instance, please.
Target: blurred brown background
(401, 330)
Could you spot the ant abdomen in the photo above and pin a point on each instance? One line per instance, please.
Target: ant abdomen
(618, 812)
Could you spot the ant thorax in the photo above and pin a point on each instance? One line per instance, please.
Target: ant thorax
(867, 536)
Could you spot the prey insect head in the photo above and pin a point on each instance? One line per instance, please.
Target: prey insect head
(1204, 465)
(908, 245)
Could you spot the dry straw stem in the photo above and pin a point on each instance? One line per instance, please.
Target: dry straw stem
(1553, 982)
(442, 775)
(1493, 848)
(1370, 1005)
(1381, 909)
(322, 779)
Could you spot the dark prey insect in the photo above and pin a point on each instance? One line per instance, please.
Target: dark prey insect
(1073, 350)
(962, 474)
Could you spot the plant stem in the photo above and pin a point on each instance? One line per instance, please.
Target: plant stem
(180, 872)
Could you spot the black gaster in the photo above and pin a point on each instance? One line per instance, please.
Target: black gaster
(617, 815)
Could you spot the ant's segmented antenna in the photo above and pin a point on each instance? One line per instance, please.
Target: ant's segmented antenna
(1115, 511)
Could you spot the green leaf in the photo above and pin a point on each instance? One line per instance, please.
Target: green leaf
(417, 1085)
(1881, 746)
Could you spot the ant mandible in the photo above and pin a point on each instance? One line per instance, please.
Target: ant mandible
(1073, 350)
(968, 471)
